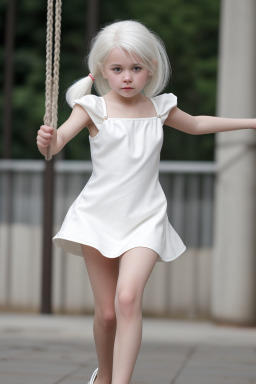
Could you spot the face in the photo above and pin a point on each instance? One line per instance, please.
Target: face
(126, 74)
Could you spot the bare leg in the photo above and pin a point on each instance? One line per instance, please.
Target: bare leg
(103, 274)
(135, 268)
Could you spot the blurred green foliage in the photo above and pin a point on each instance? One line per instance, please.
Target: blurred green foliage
(189, 30)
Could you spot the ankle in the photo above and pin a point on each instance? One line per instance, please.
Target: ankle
(99, 380)
(102, 379)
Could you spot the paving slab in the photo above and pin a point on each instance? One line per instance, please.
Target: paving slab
(43, 349)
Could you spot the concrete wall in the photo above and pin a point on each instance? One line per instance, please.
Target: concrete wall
(234, 263)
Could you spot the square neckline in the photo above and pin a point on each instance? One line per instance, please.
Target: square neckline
(106, 117)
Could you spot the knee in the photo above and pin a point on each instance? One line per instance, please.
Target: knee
(107, 318)
(127, 303)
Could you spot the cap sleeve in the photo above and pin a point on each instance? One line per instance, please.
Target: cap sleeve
(164, 104)
(93, 106)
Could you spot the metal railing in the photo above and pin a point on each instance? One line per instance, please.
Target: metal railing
(189, 188)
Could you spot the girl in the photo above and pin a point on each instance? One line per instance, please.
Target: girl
(119, 222)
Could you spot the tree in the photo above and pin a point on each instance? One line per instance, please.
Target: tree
(188, 29)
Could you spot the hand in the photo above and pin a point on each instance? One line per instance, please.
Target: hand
(44, 137)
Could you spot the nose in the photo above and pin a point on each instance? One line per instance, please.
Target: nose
(127, 77)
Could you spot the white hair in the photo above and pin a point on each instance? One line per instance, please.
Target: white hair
(134, 38)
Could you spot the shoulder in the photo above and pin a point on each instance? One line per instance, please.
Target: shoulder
(165, 98)
(164, 104)
(94, 107)
(87, 100)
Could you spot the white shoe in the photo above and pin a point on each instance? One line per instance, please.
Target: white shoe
(94, 375)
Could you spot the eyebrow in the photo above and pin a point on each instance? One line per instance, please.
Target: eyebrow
(120, 65)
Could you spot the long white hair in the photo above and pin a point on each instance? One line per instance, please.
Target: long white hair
(133, 37)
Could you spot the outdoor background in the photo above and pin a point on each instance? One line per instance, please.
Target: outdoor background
(189, 30)
(209, 183)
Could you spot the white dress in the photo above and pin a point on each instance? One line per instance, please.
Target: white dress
(123, 205)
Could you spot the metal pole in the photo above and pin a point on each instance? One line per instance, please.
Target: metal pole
(7, 134)
(46, 296)
(92, 19)
(8, 78)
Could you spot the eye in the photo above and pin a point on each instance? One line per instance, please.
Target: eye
(137, 69)
(117, 69)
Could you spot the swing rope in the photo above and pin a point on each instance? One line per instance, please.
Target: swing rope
(52, 66)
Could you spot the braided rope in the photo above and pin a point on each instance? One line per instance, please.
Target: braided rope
(52, 66)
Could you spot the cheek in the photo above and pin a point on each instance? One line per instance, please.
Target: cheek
(111, 79)
(110, 76)
(147, 77)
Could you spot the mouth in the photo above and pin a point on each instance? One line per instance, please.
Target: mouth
(127, 88)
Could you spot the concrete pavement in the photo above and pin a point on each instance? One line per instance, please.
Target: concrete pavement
(59, 350)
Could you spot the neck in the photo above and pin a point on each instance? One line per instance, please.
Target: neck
(129, 101)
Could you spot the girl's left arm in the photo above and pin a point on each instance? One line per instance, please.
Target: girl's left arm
(199, 125)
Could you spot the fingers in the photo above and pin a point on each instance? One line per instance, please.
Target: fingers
(44, 136)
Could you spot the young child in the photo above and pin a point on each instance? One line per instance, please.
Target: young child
(119, 222)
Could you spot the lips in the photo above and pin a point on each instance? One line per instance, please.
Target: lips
(127, 88)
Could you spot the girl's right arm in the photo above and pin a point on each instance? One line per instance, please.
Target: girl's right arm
(46, 135)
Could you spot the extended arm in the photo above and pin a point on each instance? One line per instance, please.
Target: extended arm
(78, 119)
(199, 125)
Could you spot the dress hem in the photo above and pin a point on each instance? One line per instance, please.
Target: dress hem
(58, 240)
